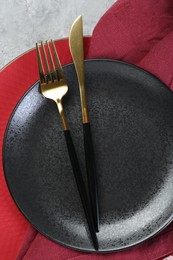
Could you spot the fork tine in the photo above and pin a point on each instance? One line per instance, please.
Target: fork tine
(49, 76)
(51, 60)
(40, 65)
(58, 63)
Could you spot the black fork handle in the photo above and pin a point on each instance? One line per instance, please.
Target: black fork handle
(81, 186)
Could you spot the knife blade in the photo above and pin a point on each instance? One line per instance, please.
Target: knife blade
(77, 52)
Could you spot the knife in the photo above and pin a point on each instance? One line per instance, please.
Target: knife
(77, 52)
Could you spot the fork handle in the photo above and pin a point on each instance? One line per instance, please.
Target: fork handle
(81, 186)
(91, 173)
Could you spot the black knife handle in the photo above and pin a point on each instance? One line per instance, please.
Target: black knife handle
(91, 173)
(81, 186)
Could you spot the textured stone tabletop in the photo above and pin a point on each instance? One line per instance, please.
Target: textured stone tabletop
(24, 22)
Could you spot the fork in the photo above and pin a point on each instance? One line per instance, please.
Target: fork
(54, 86)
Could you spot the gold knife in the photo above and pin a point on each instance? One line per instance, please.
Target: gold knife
(77, 52)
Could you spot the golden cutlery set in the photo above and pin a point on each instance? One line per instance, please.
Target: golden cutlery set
(54, 86)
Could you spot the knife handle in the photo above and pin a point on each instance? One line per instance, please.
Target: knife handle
(91, 173)
(81, 186)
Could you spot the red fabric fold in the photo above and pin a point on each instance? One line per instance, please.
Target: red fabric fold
(139, 32)
(131, 28)
(159, 61)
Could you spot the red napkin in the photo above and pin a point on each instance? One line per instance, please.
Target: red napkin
(139, 32)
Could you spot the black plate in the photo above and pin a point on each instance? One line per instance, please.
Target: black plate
(131, 114)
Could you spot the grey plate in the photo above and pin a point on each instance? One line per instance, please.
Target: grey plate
(131, 115)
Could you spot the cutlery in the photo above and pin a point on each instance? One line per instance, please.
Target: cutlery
(77, 52)
(54, 86)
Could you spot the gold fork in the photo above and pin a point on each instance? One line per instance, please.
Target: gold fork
(54, 86)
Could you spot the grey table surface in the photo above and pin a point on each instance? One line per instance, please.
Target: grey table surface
(25, 22)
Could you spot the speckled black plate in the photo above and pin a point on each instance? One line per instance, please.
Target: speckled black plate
(131, 115)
